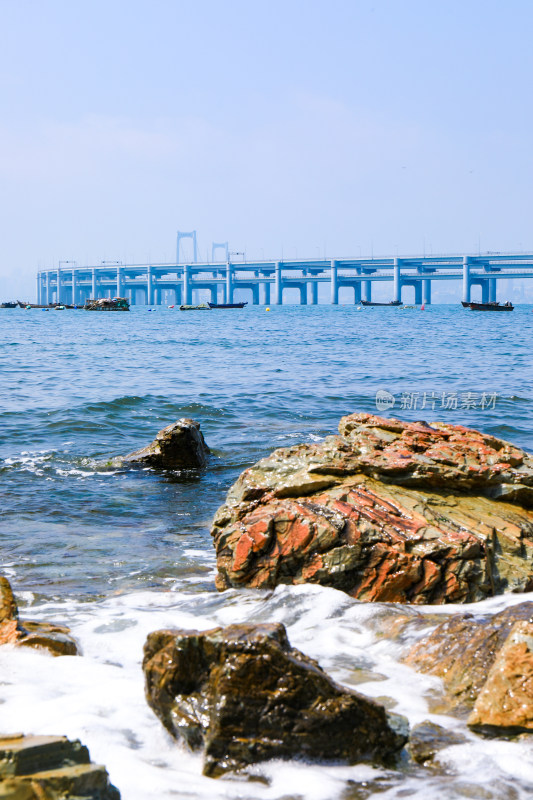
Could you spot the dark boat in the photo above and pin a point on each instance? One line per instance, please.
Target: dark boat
(227, 305)
(465, 305)
(391, 303)
(8, 305)
(201, 307)
(494, 306)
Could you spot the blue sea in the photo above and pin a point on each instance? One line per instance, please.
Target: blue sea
(115, 554)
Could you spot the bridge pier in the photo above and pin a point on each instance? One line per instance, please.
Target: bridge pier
(278, 286)
(492, 290)
(367, 291)
(485, 291)
(467, 285)
(397, 281)
(266, 293)
(187, 289)
(229, 283)
(303, 294)
(334, 284)
(426, 292)
(120, 282)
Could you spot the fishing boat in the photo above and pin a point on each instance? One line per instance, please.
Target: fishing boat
(227, 305)
(8, 305)
(108, 304)
(391, 303)
(201, 307)
(493, 306)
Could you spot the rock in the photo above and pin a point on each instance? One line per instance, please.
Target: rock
(54, 638)
(50, 768)
(427, 739)
(386, 511)
(178, 446)
(505, 703)
(463, 649)
(245, 695)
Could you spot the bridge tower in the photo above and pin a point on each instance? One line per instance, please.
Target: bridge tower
(217, 246)
(188, 235)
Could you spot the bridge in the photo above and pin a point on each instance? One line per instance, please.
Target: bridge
(154, 284)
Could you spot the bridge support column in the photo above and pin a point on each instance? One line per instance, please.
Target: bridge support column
(357, 293)
(314, 293)
(187, 288)
(94, 287)
(334, 284)
(74, 288)
(120, 282)
(213, 291)
(426, 292)
(266, 293)
(485, 291)
(467, 285)
(229, 283)
(492, 290)
(303, 294)
(418, 293)
(149, 287)
(48, 296)
(367, 291)
(397, 286)
(255, 294)
(59, 293)
(278, 291)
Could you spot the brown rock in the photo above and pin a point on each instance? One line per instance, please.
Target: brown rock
(387, 511)
(54, 638)
(178, 446)
(245, 695)
(463, 649)
(427, 739)
(505, 703)
(50, 768)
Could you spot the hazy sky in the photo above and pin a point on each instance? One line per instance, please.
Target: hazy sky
(287, 127)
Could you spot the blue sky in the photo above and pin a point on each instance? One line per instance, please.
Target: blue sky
(296, 127)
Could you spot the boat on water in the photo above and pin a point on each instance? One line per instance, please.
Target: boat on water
(201, 307)
(493, 306)
(8, 305)
(391, 303)
(108, 304)
(227, 305)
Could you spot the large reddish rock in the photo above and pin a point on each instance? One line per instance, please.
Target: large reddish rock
(43, 635)
(243, 694)
(386, 511)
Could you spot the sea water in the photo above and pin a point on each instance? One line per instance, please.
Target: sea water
(115, 554)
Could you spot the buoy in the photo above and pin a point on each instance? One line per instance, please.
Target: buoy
(267, 309)
(423, 308)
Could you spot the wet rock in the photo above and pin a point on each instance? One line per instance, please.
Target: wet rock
(178, 446)
(50, 768)
(244, 695)
(427, 739)
(505, 703)
(54, 638)
(386, 511)
(463, 650)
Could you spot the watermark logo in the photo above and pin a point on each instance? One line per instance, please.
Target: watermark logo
(433, 401)
(384, 400)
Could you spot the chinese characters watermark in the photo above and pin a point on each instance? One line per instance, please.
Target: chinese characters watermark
(435, 401)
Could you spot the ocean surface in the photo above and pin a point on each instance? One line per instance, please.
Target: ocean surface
(115, 554)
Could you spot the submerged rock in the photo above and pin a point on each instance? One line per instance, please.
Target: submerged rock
(245, 695)
(484, 663)
(386, 511)
(180, 445)
(427, 739)
(54, 638)
(50, 768)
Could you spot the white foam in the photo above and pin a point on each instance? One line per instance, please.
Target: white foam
(99, 698)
